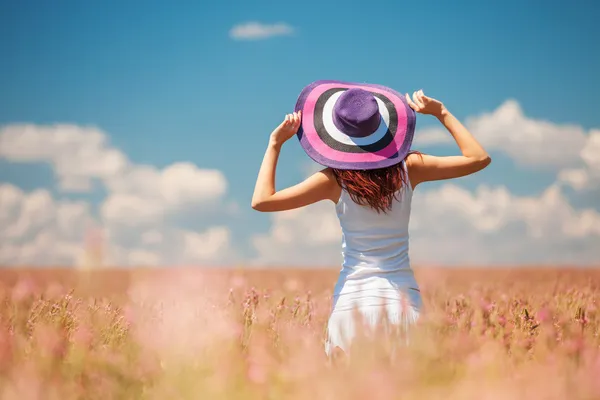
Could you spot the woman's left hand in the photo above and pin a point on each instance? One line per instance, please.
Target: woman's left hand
(288, 128)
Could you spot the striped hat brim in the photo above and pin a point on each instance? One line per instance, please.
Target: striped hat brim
(326, 144)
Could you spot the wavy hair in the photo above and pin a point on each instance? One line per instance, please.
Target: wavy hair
(375, 188)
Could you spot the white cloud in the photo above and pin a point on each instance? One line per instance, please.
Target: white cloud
(304, 236)
(142, 257)
(131, 210)
(587, 177)
(80, 154)
(136, 216)
(76, 154)
(152, 237)
(44, 249)
(141, 216)
(143, 201)
(134, 257)
(144, 206)
(258, 31)
(452, 226)
(178, 184)
(206, 246)
(591, 152)
(144, 195)
(530, 142)
(172, 246)
(578, 178)
(433, 135)
(38, 230)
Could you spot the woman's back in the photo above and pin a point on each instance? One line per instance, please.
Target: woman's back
(375, 243)
(376, 265)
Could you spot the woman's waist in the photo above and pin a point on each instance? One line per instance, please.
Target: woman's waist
(373, 292)
(381, 258)
(358, 265)
(374, 280)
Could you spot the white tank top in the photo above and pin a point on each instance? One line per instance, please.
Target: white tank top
(375, 251)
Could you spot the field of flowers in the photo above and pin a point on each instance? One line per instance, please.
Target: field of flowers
(251, 334)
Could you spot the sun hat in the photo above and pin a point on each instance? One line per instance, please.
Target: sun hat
(354, 126)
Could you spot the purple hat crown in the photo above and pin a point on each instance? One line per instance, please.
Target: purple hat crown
(356, 113)
(350, 134)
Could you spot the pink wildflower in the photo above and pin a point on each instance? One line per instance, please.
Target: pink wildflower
(82, 336)
(257, 374)
(6, 348)
(238, 282)
(543, 315)
(502, 320)
(291, 285)
(23, 290)
(51, 340)
(486, 306)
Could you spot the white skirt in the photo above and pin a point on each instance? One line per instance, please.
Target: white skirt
(364, 303)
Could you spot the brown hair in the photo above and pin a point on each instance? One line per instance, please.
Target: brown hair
(376, 188)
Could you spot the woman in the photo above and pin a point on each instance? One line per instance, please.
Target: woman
(361, 134)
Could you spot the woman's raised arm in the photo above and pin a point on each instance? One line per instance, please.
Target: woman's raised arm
(423, 167)
(266, 198)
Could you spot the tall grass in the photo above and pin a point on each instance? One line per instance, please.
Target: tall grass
(192, 335)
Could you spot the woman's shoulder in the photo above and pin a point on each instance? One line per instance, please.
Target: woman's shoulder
(334, 186)
(412, 162)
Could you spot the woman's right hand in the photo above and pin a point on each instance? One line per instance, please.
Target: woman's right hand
(288, 128)
(423, 167)
(425, 105)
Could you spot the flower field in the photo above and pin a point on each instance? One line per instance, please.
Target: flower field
(259, 334)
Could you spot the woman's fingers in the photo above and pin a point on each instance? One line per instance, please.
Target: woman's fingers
(411, 103)
(294, 119)
(424, 99)
(417, 99)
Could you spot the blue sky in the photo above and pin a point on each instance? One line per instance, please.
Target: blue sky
(168, 83)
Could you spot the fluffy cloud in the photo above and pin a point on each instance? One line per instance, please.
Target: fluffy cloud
(39, 230)
(172, 246)
(530, 142)
(76, 154)
(141, 209)
(258, 31)
(452, 226)
(588, 176)
(141, 217)
(143, 195)
(177, 184)
(206, 246)
(36, 229)
(137, 217)
(304, 236)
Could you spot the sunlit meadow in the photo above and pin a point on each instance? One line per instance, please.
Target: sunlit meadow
(249, 334)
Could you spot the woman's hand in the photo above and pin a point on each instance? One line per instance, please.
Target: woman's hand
(319, 186)
(423, 167)
(425, 105)
(288, 128)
